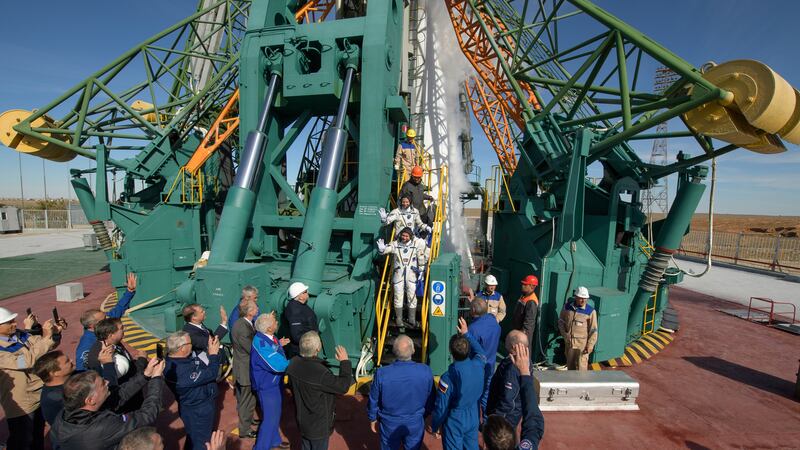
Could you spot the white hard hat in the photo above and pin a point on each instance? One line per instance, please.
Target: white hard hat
(582, 292)
(6, 315)
(121, 364)
(206, 254)
(296, 289)
(490, 280)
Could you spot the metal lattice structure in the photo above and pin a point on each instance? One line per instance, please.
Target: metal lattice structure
(656, 199)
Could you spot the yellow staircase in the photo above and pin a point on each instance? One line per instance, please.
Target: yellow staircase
(384, 297)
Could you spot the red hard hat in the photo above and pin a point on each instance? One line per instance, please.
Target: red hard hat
(531, 280)
(416, 171)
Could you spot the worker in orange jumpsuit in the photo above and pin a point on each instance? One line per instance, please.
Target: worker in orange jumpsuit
(578, 325)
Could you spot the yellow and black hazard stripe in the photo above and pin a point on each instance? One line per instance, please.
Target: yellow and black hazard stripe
(637, 351)
(135, 336)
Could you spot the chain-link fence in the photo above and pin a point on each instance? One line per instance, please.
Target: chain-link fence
(775, 252)
(53, 219)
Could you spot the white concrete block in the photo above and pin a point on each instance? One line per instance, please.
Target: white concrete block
(69, 292)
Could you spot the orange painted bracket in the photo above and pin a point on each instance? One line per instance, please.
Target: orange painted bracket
(228, 120)
(226, 123)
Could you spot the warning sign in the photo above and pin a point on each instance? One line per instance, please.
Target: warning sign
(439, 290)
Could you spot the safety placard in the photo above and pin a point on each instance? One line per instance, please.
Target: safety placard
(438, 293)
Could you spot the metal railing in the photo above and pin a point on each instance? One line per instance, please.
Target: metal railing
(770, 312)
(775, 252)
(44, 219)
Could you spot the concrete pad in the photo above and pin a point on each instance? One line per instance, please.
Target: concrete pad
(38, 242)
(738, 286)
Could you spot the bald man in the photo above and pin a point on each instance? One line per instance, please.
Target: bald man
(400, 397)
(504, 389)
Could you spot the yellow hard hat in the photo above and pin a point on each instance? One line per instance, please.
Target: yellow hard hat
(410, 133)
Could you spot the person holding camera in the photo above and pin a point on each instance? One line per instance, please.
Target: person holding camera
(20, 389)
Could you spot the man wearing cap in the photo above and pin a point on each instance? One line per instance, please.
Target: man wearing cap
(20, 389)
(299, 316)
(527, 308)
(409, 261)
(406, 216)
(406, 156)
(414, 188)
(494, 299)
(578, 325)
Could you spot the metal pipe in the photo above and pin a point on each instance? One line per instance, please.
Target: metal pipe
(241, 198)
(250, 166)
(312, 251)
(667, 242)
(335, 139)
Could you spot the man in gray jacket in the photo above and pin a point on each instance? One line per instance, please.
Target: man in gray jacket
(242, 337)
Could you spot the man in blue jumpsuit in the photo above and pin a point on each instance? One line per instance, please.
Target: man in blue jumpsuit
(91, 317)
(400, 397)
(460, 390)
(267, 364)
(498, 433)
(194, 384)
(486, 330)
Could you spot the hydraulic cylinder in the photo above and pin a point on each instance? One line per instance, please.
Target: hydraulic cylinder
(241, 198)
(667, 242)
(317, 227)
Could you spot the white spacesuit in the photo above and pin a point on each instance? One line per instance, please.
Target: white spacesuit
(409, 261)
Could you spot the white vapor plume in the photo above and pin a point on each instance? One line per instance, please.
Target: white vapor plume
(446, 69)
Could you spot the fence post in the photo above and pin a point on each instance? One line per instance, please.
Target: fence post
(69, 217)
(775, 263)
(46, 221)
(738, 246)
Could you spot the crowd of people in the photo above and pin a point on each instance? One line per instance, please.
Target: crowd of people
(110, 397)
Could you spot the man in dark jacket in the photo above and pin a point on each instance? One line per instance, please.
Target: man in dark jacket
(416, 190)
(84, 425)
(504, 389)
(90, 318)
(314, 389)
(498, 433)
(54, 368)
(299, 316)
(242, 338)
(195, 315)
(110, 333)
(194, 384)
(526, 309)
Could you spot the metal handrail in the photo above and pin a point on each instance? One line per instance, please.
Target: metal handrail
(771, 311)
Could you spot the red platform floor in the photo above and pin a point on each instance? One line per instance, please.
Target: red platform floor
(723, 383)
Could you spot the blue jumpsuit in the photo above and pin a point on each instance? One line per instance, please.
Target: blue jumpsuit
(401, 396)
(460, 390)
(487, 331)
(195, 387)
(88, 338)
(267, 365)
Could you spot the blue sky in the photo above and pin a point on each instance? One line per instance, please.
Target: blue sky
(46, 54)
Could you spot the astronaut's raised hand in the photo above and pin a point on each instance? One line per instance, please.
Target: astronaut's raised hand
(381, 245)
(383, 214)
